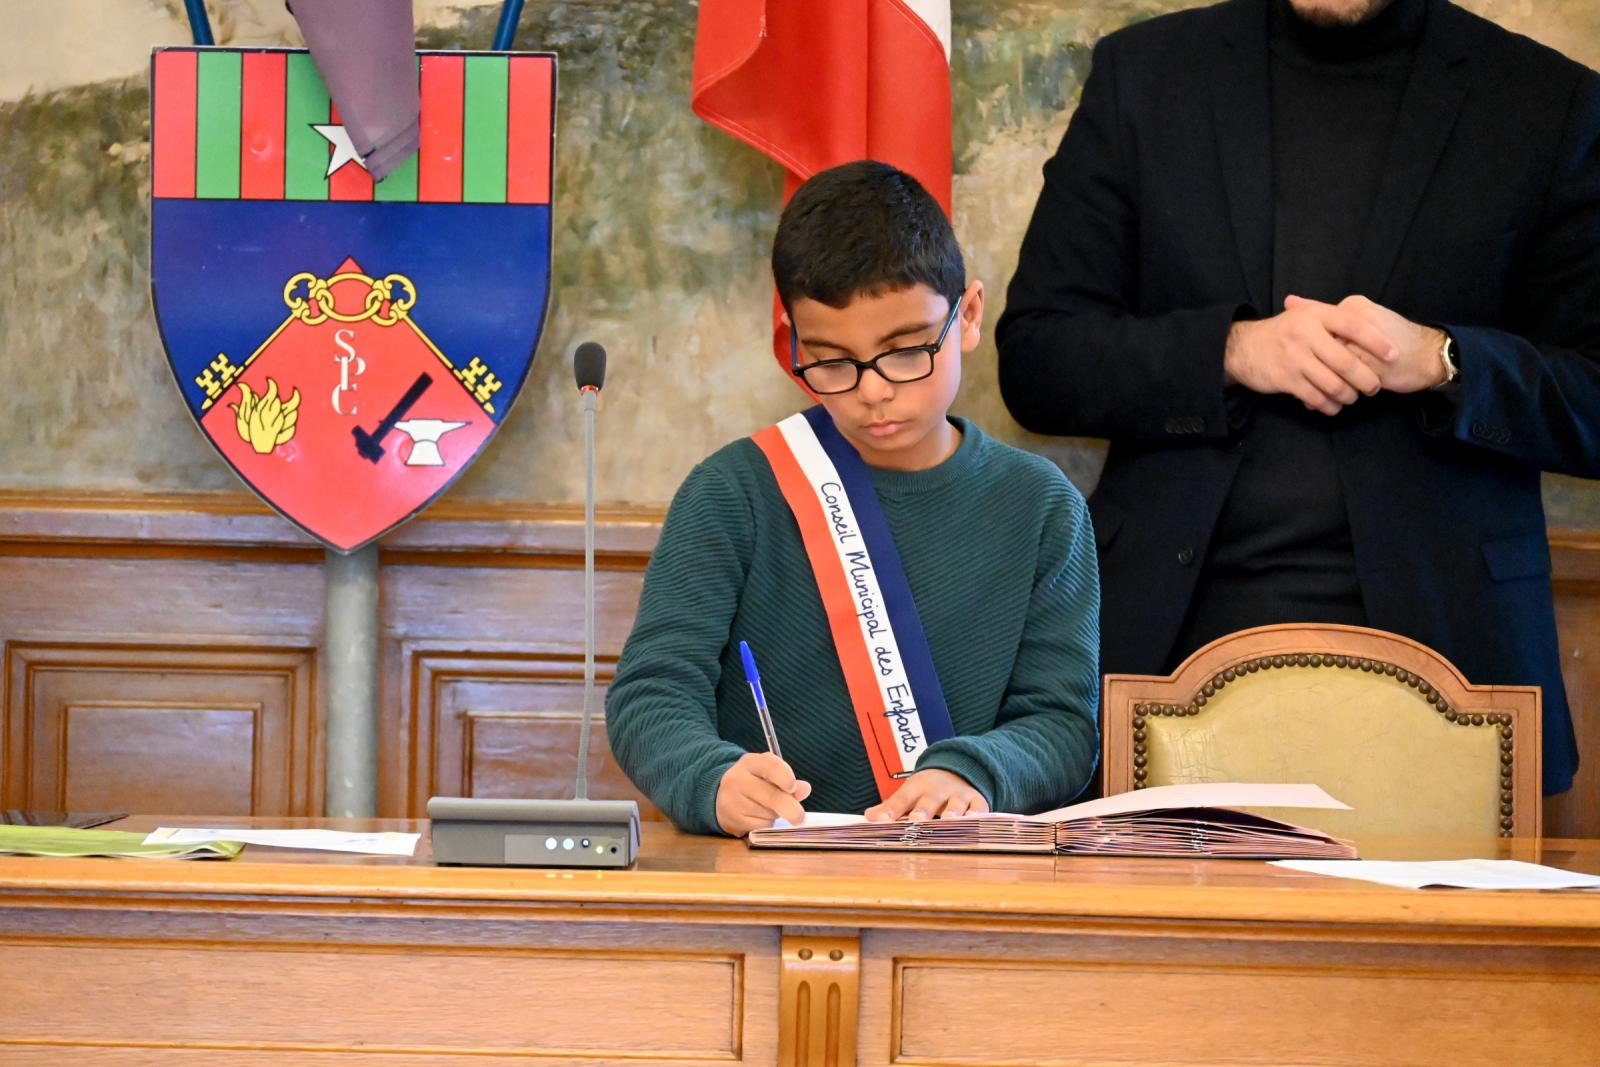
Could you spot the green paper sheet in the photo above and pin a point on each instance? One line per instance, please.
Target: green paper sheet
(60, 841)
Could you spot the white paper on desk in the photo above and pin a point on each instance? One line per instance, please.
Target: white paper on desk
(388, 843)
(1199, 795)
(1457, 874)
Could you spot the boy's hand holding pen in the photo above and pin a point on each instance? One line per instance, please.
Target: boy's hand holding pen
(760, 788)
(757, 790)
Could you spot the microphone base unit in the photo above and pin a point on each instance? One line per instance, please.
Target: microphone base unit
(492, 832)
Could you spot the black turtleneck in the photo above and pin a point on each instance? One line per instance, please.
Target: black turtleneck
(1335, 94)
(1281, 549)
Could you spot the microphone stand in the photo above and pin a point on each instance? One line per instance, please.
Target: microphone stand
(591, 402)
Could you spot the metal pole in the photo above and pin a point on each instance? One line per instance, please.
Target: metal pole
(200, 22)
(351, 623)
(591, 401)
(506, 32)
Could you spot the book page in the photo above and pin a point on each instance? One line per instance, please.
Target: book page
(821, 818)
(1199, 795)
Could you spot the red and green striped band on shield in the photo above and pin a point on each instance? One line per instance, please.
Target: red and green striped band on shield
(239, 125)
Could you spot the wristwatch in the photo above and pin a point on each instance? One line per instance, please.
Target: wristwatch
(1447, 356)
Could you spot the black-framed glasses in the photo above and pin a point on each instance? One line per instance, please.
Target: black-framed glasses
(899, 365)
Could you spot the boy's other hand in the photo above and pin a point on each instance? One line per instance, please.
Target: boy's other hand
(757, 790)
(930, 794)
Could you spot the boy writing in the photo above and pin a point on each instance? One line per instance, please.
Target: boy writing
(922, 599)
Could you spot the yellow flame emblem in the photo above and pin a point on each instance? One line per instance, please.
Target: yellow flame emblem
(264, 420)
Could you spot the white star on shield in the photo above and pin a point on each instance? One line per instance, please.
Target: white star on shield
(344, 150)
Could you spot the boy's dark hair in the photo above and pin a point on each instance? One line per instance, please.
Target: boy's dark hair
(862, 229)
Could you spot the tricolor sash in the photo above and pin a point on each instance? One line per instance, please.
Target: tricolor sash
(877, 633)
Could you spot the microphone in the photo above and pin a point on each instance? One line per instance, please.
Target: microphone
(589, 366)
(480, 831)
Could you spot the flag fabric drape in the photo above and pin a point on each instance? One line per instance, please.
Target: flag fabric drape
(816, 83)
(366, 51)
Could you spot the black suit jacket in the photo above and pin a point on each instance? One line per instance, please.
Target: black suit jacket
(1154, 233)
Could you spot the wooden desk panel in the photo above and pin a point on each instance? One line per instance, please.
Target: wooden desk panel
(337, 990)
(709, 953)
(1217, 998)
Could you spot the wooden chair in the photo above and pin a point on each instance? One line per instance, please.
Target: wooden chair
(1381, 722)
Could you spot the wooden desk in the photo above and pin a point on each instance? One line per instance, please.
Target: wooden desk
(709, 953)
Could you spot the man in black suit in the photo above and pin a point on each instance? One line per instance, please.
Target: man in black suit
(1327, 275)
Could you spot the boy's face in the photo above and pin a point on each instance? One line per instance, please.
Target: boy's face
(896, 425)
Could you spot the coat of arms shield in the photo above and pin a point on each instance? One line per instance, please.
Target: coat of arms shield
(348, 346)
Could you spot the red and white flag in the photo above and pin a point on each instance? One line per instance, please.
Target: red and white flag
(816, 83)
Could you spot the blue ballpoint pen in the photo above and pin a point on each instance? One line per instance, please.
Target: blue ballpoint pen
(753, 676)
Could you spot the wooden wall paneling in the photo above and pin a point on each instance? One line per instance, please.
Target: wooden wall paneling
(176, 729)
(507, 725)
(159, 654)
(498, 580)
(90, 595)
(477, 659)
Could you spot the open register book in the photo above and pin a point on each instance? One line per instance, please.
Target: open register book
(1168, 820)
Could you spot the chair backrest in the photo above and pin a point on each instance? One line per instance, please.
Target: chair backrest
(1383, 723)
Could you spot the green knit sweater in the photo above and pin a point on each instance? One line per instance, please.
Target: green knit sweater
(997, 547)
